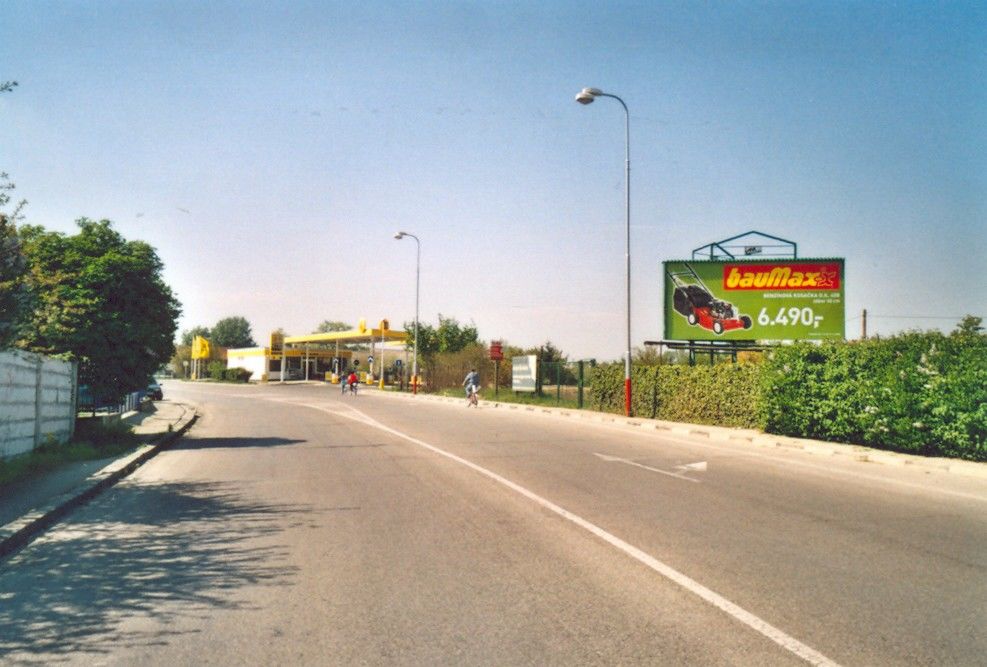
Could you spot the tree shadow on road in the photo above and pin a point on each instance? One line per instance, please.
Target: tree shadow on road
(191, 442)
(154, 553)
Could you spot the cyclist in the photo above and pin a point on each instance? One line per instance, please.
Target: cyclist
(353, 381)
(472, 384)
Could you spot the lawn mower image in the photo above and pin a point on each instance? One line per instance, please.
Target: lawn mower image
(696, 303)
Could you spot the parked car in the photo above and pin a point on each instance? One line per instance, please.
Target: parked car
(153, 391)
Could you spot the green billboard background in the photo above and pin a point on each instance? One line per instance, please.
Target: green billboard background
(791, 299)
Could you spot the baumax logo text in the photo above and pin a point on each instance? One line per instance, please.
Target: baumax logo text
(781, 276)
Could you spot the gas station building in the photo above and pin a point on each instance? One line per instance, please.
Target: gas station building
(324, 356)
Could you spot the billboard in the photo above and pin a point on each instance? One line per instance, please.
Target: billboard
(524, 372)
(797, 299)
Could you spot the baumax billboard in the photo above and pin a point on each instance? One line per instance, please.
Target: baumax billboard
(754, 300)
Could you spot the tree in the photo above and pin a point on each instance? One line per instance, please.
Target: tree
(232, 332)
(449, 336)
(189, 335)
(99, 299)
(970, 325)
(15, 297)
(452, 337)
(328, 326)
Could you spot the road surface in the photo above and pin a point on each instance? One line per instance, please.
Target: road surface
(293, 525)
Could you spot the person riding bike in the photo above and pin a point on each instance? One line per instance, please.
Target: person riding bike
(352, 381)
(472, 384)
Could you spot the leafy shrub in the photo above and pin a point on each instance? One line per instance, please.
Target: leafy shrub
(237, 374)
(924, 393)
(726, 394)
(216, 370)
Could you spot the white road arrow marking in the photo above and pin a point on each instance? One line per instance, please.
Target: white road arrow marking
(617, 459)
(698, 467)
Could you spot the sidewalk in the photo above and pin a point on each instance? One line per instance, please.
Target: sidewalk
(28, 507)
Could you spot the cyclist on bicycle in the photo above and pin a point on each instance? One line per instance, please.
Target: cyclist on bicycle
(472, 384)
(352, 381)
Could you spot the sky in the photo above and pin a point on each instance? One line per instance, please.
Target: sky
(269, 151)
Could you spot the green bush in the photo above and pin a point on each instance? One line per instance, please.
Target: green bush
(216, 370)
(236, 375)
(924, 393)
(725, 394)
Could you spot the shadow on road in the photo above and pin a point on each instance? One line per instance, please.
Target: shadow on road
(232, 443)
(143, 555)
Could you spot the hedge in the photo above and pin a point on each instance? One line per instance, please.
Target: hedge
(725, 395)
(923, 393)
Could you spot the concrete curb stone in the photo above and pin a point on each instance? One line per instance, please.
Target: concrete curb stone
(20, 532)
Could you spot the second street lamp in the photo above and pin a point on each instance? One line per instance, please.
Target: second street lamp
(587, 96)
(418, 266)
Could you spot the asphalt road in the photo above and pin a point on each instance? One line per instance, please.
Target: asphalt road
(296, 526)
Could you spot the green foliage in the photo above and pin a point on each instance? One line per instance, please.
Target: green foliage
(328, 326)
(232, 332)
(15, 297)
(94, 439)
(924, 393)
(970, 325)
(724, 395)
(216, 370)
(99, 299)
(237, 375)
(449, 336)
(189, 335)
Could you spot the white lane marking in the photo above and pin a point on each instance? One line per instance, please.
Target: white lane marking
(827, 471)
(617, 459)
(757, 624)
(698, 467)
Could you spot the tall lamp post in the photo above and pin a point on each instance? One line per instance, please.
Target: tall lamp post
(586, 96)
(418, 266)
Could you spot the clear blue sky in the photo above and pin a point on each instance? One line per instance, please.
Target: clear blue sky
(269, 151)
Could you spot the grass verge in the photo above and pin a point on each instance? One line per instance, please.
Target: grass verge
(94, 440)
(522, 398)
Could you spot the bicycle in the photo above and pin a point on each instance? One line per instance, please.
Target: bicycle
(471, 396)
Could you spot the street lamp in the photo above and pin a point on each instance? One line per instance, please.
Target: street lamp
(418, 266)
(587, 96)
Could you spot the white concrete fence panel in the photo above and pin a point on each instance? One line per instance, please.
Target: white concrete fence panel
(37, 401)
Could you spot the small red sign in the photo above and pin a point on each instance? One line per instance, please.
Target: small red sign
(496, 351)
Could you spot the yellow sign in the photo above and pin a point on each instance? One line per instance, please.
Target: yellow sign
(200, 348)
(277, 342)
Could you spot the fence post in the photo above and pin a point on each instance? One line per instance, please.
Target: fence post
(558, 383)
(37, 400)
(580, 384)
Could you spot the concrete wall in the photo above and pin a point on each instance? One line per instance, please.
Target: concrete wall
(37, 401)
(248, 359)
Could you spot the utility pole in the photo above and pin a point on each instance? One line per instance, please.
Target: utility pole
(863, 325)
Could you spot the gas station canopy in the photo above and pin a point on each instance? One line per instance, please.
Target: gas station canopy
(361, 334)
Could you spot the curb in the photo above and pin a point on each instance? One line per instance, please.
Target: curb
(20, 532)
(742, 437)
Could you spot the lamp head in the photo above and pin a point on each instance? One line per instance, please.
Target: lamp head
(587, 95)
(399, 236)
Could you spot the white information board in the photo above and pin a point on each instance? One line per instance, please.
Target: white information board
(524, 372)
